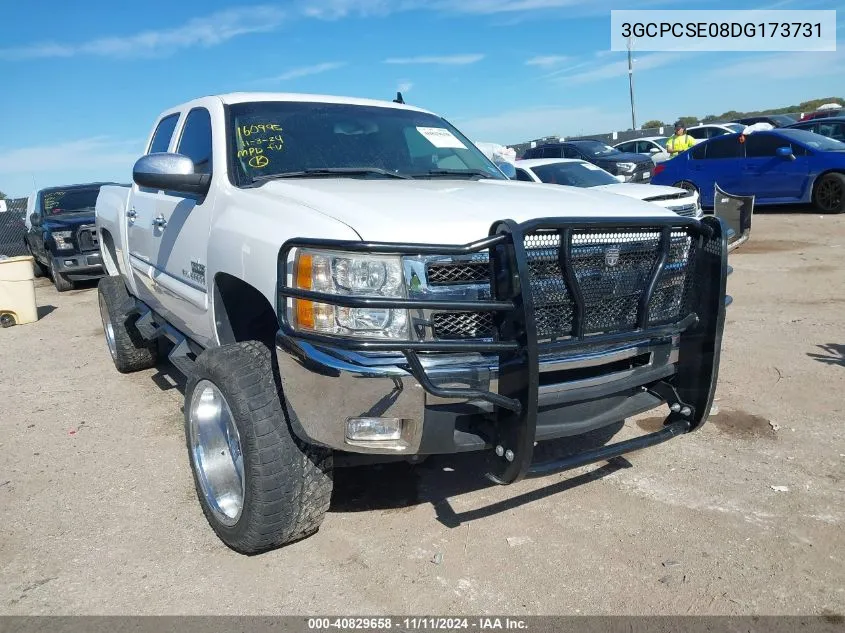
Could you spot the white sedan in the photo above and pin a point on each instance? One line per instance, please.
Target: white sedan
(654, 146)
(709, 130)
(580, 173)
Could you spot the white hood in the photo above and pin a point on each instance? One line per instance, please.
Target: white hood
(642, 192)
(445, 211)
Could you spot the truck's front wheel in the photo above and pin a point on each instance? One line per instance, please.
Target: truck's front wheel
(62, 283)
(259, 486)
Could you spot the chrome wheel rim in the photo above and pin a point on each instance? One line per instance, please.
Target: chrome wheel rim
(215, 447)
(108, 328)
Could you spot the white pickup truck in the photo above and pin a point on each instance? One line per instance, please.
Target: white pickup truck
(349, 277)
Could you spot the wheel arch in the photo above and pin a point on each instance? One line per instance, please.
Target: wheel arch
(242, 312)
(820, 175)
(108, 253)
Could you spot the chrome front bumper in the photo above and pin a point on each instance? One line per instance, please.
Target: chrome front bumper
(324, 387)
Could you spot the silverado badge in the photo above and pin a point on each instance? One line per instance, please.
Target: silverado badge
(611, 255)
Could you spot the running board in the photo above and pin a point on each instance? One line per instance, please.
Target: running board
(673, 429)
(182, 357)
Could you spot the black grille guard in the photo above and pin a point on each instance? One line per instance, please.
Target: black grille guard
(689, 392)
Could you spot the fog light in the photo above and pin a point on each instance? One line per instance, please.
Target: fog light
(373, 429)
(69, 262)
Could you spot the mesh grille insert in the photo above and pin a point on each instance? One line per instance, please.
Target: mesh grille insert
(458, 325)
(452, 273)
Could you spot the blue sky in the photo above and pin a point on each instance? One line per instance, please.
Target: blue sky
(83, 83)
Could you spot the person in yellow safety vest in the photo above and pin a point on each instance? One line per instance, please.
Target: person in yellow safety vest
(680, 141)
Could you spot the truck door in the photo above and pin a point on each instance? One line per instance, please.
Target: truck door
(141, 211)
(179, 234)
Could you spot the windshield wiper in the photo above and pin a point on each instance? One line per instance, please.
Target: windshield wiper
(331, 171)
(474, 173)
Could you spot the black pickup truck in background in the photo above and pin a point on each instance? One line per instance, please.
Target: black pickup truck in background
(62, 237)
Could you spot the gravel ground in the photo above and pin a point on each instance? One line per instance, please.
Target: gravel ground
(744, 516)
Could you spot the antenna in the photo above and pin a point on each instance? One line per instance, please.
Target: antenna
(398, 98)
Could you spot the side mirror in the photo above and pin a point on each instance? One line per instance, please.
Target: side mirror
(785, 152)
(170, 172)
(620, 178)
(35, 219)
(507, 169)
(654, 150)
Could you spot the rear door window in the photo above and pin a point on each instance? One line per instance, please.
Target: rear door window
(163, 134)
(521, 174)
(196, 140)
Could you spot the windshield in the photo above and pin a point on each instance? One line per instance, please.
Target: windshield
(782, 119)
(275, 138)
(575, 174)
(661, 141)
(64, 201)
(595, 148)
(814, 141)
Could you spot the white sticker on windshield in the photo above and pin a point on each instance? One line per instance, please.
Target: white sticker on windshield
(441, 137)
(591, 166)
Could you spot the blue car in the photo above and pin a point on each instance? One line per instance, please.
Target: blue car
(780, 166)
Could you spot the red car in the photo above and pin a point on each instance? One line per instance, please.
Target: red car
(822, 114)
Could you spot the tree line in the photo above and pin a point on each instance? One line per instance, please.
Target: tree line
(730, 115)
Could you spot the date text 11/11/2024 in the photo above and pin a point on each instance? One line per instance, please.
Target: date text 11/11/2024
(416, 624)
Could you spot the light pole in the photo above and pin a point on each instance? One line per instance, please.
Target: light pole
(631, 83)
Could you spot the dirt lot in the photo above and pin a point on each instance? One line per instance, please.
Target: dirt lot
(100, 515)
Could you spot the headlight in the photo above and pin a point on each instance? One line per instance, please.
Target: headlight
(62, 239)
(626, 166)
(349, 274)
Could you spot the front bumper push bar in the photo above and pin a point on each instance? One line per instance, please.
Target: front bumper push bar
(689, 393)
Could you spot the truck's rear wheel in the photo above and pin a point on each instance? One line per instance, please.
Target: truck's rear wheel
(259, 486)
(128, 349)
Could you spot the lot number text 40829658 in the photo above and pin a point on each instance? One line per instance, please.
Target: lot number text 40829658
(417, 624)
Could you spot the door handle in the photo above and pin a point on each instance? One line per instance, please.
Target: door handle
(160, 222)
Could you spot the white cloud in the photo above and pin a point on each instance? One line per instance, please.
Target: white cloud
(504, 6)
(619, 68)
(547, 61)
(305, 71)
(783, 66)
(405, 86)
(206, 31)
(97, 158)
(450, 60)
(94, 152)
(335, 9)
(525, 124)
